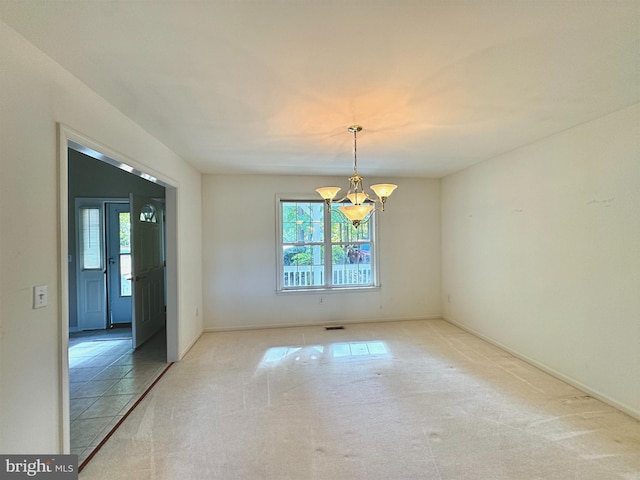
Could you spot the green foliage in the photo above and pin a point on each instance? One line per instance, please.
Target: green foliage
(338, 255)
(291, 253)
(303, 258)
(125, 232)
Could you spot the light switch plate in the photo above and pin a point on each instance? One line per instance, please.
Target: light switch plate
(40, 296)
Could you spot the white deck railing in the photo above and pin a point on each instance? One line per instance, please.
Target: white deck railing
(305, 276)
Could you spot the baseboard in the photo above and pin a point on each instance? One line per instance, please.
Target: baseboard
(188, 347)
(235, 328)
(551, 371)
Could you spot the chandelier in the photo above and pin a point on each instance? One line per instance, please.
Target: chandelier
(362, 204)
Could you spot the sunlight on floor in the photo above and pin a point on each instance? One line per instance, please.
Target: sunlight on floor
(334, 351)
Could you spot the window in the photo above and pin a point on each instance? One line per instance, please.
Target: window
(124, 227)
(90, 238)
(322, 251)
(148, 214)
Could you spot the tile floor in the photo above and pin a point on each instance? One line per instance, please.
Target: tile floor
(106, 377)
(402, 400)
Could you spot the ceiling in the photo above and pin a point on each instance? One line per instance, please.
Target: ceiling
(271, 86)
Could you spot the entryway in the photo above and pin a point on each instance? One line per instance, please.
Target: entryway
(102, 373)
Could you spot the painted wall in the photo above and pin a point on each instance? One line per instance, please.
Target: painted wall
(541, 253)
(91, 178)
(35, 94)
(239, 242)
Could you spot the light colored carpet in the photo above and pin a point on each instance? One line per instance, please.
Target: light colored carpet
(402, 400)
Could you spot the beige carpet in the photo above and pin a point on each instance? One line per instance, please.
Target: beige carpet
(403, 400)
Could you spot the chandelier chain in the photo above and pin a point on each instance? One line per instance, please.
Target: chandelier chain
(355, 152)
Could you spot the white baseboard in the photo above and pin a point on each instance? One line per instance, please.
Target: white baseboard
(551, 371)
(316, 324)
(188, 347)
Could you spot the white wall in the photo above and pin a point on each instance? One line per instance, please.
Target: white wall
(541, 253)
(35, 94)
(239, 241)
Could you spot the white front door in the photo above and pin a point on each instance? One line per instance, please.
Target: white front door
(91, 270)
(147, 219)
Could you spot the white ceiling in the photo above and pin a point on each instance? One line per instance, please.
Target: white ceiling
(271, 86)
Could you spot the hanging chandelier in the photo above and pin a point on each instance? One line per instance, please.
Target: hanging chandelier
(362, 204)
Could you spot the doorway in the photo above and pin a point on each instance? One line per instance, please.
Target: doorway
(72, 143)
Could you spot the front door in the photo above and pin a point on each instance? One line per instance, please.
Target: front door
(119, 263)
(91, 270)
(147, 219)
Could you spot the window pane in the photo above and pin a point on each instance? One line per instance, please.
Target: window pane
(125, 275)
(289, 225)
(302, 222)
(352, 264)
(90, 238)
(303, 266)
(125, 232)
(343, 231)
(148, 214)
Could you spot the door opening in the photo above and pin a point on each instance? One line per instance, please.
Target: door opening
(73, 143)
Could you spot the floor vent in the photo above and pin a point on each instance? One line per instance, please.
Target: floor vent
(334, 327)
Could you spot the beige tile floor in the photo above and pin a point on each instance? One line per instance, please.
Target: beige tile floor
(106, 377)
(403, 400)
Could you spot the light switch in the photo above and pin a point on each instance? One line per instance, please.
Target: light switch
(40, 296)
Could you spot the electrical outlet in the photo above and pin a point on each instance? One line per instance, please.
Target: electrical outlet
(40, 298)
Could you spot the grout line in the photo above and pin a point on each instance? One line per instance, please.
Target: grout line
(124, 417)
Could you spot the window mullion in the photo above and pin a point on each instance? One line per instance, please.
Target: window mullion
(328, 251)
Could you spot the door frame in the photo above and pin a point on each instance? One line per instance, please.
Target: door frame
(69, 138)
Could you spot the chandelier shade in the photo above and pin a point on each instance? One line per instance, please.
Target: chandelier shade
(383, 189)
(328, 192)
(356, 214)
(357, 198)
(362, 204)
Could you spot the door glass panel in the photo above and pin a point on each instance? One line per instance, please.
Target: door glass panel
(148, 214)
(125, 275)
(124, 222)
(90, 238)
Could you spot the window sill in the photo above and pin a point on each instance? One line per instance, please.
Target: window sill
(328, 291)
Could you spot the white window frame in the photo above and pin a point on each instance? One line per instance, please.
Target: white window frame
(328, 266)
